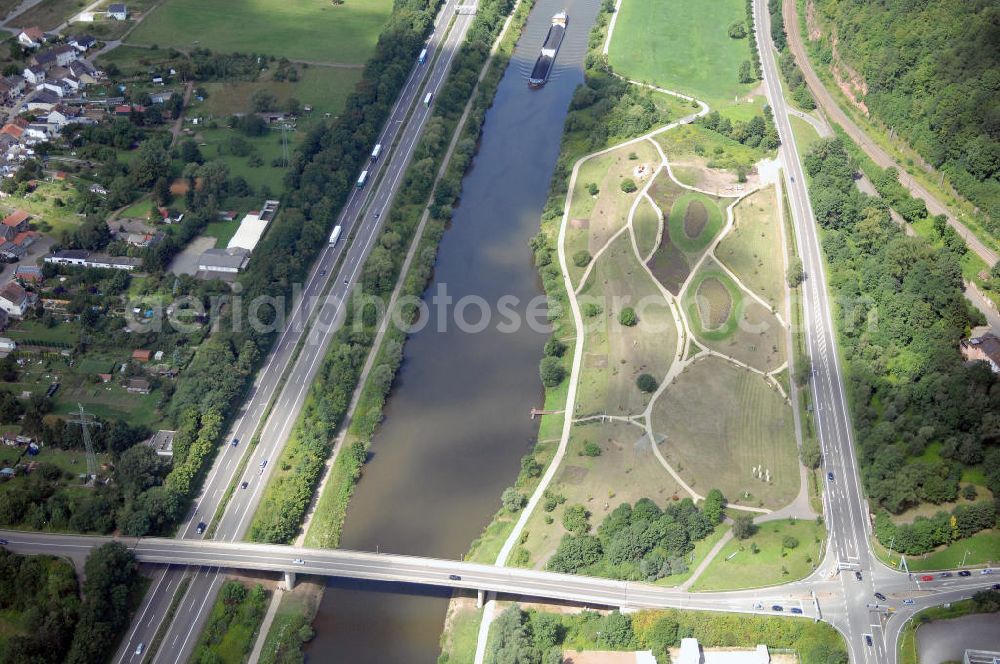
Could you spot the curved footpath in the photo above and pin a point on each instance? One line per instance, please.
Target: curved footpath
(882, 158)
(799, 507)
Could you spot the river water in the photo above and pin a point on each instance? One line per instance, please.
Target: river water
(457, 421)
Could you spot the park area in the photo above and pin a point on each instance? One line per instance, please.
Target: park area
(677, 391)
(322, 32)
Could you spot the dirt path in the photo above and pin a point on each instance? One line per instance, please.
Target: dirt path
(829, 105)
(175, 131)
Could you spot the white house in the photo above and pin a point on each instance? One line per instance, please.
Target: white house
(15, 300)
(34, 75)
(118, 12)
(82, 42)
(31, 37)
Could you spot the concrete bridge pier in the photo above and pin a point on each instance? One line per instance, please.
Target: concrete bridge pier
(289, 580)
(480, 598)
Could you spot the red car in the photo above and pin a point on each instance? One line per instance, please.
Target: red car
(927, 577)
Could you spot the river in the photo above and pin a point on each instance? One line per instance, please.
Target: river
(457, 421)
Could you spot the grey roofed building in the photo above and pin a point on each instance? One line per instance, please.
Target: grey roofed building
(223, 260)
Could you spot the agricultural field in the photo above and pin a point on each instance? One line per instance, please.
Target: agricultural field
(779, 552)
(645, 47)
(717, 421)
(299, 30)
(47, 14)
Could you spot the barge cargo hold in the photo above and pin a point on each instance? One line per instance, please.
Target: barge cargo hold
(543, 66)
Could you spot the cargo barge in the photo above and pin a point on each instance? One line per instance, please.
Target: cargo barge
(543, 66)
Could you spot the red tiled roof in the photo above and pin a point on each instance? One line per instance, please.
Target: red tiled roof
(12, 130)
(34, 32)
(15, 218)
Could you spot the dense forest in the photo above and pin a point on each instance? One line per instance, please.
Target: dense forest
(933, 74)
(922, 416)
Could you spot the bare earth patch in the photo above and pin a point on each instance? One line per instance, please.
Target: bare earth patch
(714, 303)
(694, 172)
(695, 219)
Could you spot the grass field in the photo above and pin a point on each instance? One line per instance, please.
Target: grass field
(721, 151)
(718, 422)
(646, 226)
(213, 146)
(595, 219)
(295, 29)
(704, 301)
(51, 205)
(804, 135)
(772, 564)
(615, 354)
(461, 634)
(682, 46)
(625, 471)
(983, 548)
(753, 248)
(222, 231)
(324, 88)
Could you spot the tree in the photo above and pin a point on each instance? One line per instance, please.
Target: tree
(138, 469)
(746, 73)
(743, 526)
(593, 189)
(714, 506)
(663, 635)
(627, 317)
(628, 185)
(10, 407)
(150, 162)
(738, 30)
(789, 542)
(530, 466)
(512, 499)
(263, 101)
(646, 383)
(796, 273)
(552, 371)
(591, 449)
(581, 258)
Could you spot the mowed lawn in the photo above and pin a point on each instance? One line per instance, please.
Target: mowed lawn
(324, 88)
(716, 422)
(772, 564)
(295, 29)
(682, 46)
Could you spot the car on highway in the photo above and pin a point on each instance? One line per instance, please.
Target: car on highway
(4, 542)
(945, 575)
(454, 577)
(868, 640)
(201, 527)
(909, 602)
(986, 571)
(236, 441)
(139, 648)
(244, 484)
(298, 561)
(857, 575)
(777, 607)
(829, 476)
(322, 273)
(263, 462)
(927, 577)
(995, 586)
(796, 610)
(880, 597)
(965, 572)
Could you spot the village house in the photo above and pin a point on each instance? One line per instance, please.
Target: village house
(15, 300)
(60, 56)
(34, 74)
(138, 386)
(118, 12)
(82, 43)
(142, 355)
(32, 37)
(14, 223)
(984, 348)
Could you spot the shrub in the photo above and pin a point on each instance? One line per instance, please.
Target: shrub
(789, 542)
(581, 258)
(593, 189)
(554, 347)
(591, 449)
(738, 30)
(551, 371)
(627, 317)
(591, 309)
(512, 500)
(628, 185)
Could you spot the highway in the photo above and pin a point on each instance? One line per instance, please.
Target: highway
(315, 316)
(816, 597)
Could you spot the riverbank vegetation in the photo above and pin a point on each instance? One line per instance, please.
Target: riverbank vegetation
(901, 315)
(538, 636)
(232, 626)
(44, 619)
(924, 72)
